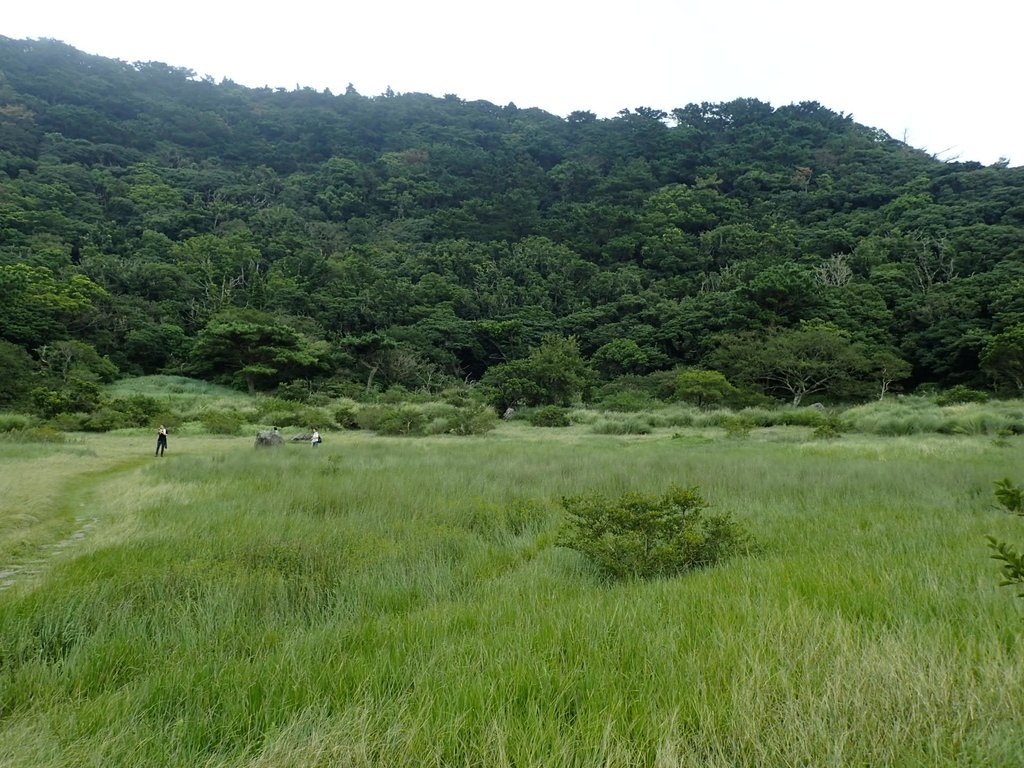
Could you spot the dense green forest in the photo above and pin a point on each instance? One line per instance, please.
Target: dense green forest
(153, 221)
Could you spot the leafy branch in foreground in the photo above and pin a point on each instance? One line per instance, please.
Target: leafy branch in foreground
(1011, 498)
(642, 536)
(1013, 563)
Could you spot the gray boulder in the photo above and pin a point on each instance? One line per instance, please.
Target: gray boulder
(269, 439)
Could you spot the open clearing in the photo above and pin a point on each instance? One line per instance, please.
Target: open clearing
(401, 602)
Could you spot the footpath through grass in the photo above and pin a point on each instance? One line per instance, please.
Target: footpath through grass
(391, 602)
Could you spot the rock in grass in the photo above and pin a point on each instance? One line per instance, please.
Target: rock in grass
(269, 439)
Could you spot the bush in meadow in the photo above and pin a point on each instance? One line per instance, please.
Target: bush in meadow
(646, 536)
(393, 420)
(221, 422)
(11, 422)
(629, 402)
(961, 394)
(345, 416)
(473, 420)
(550, 416)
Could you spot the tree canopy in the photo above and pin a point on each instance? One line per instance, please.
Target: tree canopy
(407, 239)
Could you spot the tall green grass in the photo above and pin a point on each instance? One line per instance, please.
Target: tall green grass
(400, 602)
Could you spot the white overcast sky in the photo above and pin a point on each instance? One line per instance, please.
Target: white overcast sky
(944, 76)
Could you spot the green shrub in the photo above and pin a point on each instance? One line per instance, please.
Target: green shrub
(345, 416)
(736, 427)
(1013, 563)
(221, 422)
(550, 416)
(268, 406)
(641, 536)
(140, 409)
(961, 394)
(17, 366)
(9, 422)
(702, 388)
(106, 419)
(294, 391)
(661, 384)
(393, 420)
(473, 421)
(75, 395)
(283, 413)
(459, 396)
(396, 394)
(446, 419)
(1010, 496)
(68, 422)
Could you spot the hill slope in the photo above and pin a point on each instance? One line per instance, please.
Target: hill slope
(173, 223)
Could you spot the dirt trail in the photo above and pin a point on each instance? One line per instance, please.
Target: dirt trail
(10, 574)
(78, 487)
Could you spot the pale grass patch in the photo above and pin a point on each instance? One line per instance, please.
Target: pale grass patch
(35, 493)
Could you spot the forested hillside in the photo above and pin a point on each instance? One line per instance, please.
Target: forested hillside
(267, 236)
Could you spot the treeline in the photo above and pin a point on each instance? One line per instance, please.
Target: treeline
(153, 221)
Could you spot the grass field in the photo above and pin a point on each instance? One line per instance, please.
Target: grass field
(401, 602)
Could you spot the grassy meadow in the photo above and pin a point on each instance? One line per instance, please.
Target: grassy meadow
(391, 601)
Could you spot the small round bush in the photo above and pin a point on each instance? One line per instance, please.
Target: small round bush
(961, 394)
(550, 416)
(736, 427)
(345, 417)
(221, 422)
(106, 419)
(645, 536)
(393, 420)
(472, 420)
(140, 409)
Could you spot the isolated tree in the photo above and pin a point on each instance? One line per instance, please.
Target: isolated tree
(702, 388)
(554, 373)
(254, 349)
(886, 368)
(813, 358)
(370, 350)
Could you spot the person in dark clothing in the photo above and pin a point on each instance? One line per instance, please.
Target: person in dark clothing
(161, 440)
